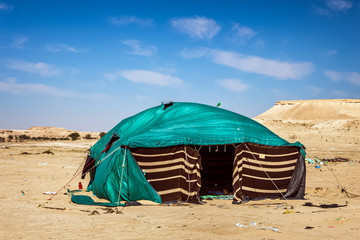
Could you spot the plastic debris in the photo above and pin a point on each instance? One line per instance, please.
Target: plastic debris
(310, 161)
(42, 164)
(271, 228)
(49, 193)
(253, 224)
(240, 225)
(287, 211)
(317, 166)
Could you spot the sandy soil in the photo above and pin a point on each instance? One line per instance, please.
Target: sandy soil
(27, 213)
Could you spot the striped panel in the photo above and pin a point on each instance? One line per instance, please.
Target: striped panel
(258, 168)
(174, 172)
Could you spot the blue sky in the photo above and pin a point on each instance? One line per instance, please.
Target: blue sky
(86, 65)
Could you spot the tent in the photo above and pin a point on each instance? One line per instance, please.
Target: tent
(177, 151)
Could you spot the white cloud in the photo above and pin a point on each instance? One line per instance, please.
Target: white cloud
(152, 78)
(268, 67)
(6, 7)
(39, 68)
(126, 20)
(62, 47)
(254, 64)
(235, 85)
(196, 27)
(10, 85)
(339, 5)
(242, 33)
(334, 76)
(351, 77)
(259, 44)
(340, 93)
(333, 6)
(195, 53)
(332, 52)
(139, 48)
(323, 11)
(19, 42)
(112, 76)
(147, 77)
(315, 90)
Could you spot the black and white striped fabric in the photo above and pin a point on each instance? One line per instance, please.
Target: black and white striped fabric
(174, 172)
(263, 171)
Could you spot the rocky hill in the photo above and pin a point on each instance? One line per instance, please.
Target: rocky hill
(43, 133)
(327, 128)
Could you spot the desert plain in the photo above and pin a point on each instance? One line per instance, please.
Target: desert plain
(329, 129)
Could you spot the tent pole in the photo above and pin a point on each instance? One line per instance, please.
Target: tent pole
(122, 174)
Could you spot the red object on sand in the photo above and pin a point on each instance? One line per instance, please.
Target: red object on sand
(80, 185)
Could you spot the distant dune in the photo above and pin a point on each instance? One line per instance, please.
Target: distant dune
(314, 110)
(328, 128)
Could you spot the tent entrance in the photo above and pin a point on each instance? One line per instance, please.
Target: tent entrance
(217, 169)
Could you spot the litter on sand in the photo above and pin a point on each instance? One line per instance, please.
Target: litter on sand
(253, 224)
(49, 193)
(240, 225)
(287, 211)
(334, 205)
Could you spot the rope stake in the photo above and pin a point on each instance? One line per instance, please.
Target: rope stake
(86, 171)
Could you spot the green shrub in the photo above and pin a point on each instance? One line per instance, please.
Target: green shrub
(74, 136)
(88, 136)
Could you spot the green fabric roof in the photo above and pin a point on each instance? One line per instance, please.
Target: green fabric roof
(188, 124)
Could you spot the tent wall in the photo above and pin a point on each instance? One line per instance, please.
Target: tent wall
(174, 172)
(265, 171)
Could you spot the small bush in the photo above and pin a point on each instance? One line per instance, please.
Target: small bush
(88, 136)
(24, 137)
(74, 136)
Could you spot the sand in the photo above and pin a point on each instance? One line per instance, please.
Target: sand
(27, 213)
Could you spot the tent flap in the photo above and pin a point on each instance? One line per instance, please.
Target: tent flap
(120, 173)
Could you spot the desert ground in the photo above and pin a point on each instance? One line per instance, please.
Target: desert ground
(329, 129)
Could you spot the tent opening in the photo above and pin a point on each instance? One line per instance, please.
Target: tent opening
(217, 164)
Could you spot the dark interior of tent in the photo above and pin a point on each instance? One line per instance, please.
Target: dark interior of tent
(217, 169)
